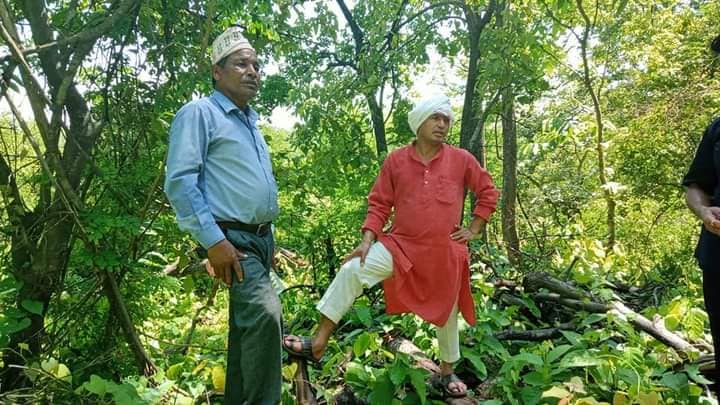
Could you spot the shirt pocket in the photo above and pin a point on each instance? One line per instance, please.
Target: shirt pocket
(446, 190)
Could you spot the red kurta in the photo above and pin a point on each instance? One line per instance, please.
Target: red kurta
(430, 270)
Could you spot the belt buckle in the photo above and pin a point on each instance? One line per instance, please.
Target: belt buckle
(262, 229)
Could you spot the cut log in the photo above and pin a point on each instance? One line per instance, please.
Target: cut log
(304, 394)
(536, 281)
(655, 329)
(535, 334)
(570, 296)
(583, 305)
(399, 344)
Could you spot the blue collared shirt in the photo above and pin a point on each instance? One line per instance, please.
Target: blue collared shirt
(218, 168)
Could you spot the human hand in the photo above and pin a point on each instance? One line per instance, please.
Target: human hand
(711, 219)
(223, 258)
(361, 251)
(462, 235)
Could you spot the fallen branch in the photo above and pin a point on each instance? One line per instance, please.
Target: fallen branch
(304, 394)
(570, 296)
(585, 305)
(536, 281)
(535, 334)
(399, 344)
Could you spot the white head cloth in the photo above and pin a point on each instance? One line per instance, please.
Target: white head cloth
(228, 42)
(427, 107)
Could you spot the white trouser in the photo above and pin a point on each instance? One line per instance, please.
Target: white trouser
(352, 278)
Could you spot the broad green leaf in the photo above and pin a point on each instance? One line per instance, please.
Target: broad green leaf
(96, 385)
(572, 337)
(361, 344)
(576, 385)
(11, 326)
(620, 398)
(651, 398)
(693, 371)
(417, 379)
(591, 319)
(355, 372)
(398, 372)
(288, 371)
(364, 315)
(32, 306)
(580, 358)
(556, 392)
(557, 352)
(531, 395)
(218, 377)
(382, 391)
(528, 358)
(476, 360)
(173, 372)
(676, 381)
(535, 378)
(124, 394)
(62, 372)
(49, 365)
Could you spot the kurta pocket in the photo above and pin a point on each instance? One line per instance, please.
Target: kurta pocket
(446, 191)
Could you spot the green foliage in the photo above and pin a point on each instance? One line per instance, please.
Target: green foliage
(657, 91)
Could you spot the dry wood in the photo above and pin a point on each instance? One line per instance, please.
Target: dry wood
(304, 394)
(580, 300)
(538, 280)
(401, 345)
(535, 334)
(585, 305)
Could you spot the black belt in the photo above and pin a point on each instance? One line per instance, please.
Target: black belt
(257, 229)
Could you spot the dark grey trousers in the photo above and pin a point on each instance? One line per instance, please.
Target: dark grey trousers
(255, 332)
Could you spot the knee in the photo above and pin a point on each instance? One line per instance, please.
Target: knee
(271, 312)
(350, 269)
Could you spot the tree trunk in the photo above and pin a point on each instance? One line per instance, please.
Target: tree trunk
(41, 247)
(378, 123)
(599, 134)
(509, 191)
(142, 360)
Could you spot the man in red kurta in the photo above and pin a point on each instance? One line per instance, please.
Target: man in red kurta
(423, 258)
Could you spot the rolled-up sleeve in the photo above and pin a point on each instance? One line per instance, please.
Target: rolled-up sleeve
(478, 180)
(186, 156)
(702, 170)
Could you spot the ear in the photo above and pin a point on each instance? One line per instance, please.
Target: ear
(216, 72)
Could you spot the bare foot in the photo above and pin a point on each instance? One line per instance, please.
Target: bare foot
(303, 347)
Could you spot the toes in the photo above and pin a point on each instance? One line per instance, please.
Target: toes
(292, 342)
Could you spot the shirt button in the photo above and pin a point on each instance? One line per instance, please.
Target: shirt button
(426, 182)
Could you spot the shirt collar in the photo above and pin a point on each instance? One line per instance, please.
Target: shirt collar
(414, 155)
(228, 106)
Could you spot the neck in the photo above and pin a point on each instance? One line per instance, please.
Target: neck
(241, 103)
(427, 150)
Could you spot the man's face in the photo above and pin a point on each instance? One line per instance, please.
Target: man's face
(434, 129)
(239, 77)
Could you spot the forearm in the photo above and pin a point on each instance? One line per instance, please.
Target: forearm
(697, 201)
(477, 225)
(369, 236)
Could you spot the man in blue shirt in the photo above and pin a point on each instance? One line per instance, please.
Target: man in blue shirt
(220, 183)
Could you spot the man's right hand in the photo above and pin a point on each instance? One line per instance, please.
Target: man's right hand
(224, 258)
(711, 219)
(361, 251)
